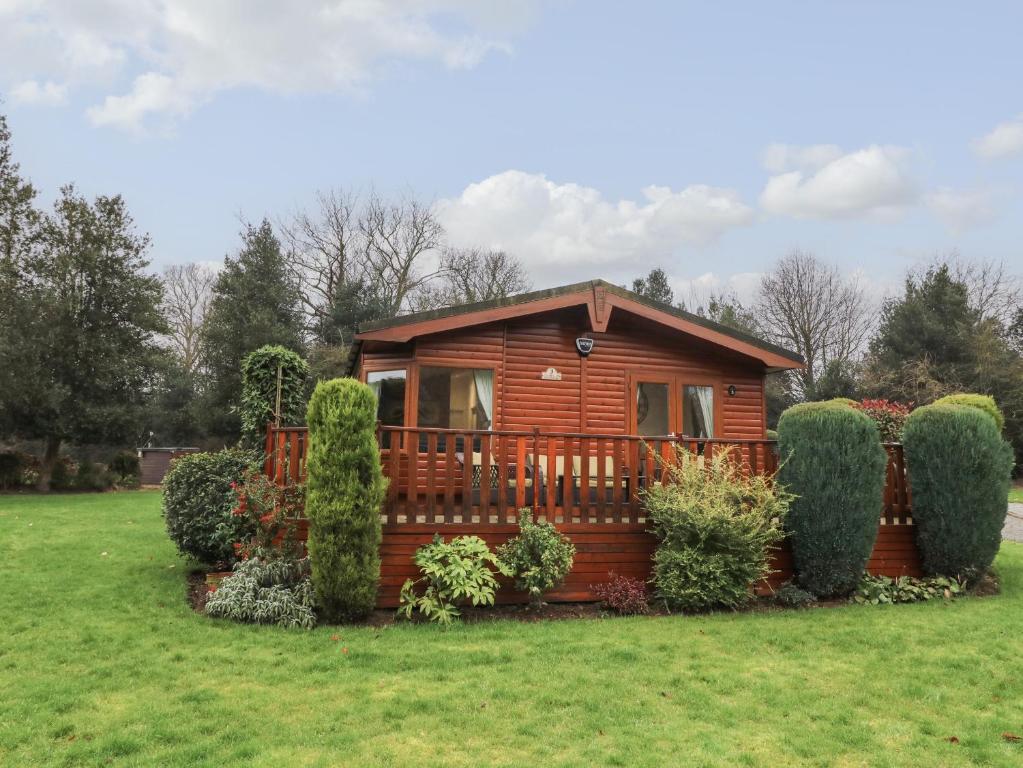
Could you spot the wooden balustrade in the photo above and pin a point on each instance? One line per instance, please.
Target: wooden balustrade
(450, 476)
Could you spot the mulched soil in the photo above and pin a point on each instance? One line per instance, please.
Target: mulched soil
(197, 591)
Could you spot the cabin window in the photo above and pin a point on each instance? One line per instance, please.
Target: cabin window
(389, 387)
(456, 398)
(653, 412)
(697, 411)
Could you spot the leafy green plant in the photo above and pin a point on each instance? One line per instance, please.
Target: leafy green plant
(715, 524)
(91, 476)
(959, 467)
(345, 490)
(539, 557)
(462, 570)
(266, 591)
(259, 391)
(984, 403)
(198, 502)
(883, 590)
(834, 464)
(791, 595)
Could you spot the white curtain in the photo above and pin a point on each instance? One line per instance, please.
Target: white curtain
(485, 393)
(705, 398)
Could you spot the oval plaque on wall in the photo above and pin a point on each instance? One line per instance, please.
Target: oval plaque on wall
(551, 374)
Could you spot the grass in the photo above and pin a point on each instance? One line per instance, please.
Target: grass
(1016, 494)
(103, 663)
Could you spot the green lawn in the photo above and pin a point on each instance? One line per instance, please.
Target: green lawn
(1016, 494)
(102, 663)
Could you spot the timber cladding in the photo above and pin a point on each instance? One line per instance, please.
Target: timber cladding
(592, 393)
(602, 549)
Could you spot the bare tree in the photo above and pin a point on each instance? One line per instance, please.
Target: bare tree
(326, 252)
(994, 293)
(402, 240)
(186, 297)
(809, 307)
(469, 275)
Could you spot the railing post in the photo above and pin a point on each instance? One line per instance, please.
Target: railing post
(536, 472)
(268, 448)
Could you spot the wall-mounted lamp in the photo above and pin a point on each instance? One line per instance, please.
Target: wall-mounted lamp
(731, 390)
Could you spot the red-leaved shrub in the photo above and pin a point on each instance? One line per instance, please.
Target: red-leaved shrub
(624, 595)
(889, 416)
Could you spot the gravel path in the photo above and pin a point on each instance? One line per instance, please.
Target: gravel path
(1014, 523)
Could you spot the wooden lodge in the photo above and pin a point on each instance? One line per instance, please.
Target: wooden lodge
(559, 401)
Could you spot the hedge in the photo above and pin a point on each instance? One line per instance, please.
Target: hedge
(198, 500)
(959, 466)
(345, 489)
(834, 464)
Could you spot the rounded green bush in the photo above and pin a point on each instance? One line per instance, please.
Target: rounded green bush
(984, 403)
(345, 490)
(842, 401)
(197, 503)
(959, 471)
(833, 462)
(259, 391)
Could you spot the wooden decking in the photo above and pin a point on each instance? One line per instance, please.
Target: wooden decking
(456, 482)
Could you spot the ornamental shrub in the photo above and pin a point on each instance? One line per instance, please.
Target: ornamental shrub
(454, 572)
(625, 595)
(890, 417)
(270, 511)
(259, 391)
(539, 557)
(714, 525)
(959, 468)
(985, 403)
(344, 491)
(834, 464)
(198, 500)
(266, 591)
(124, 467)
(792, 595)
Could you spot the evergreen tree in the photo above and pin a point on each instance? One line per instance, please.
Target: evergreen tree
(654, 286)
(255, 303)
(79, 351)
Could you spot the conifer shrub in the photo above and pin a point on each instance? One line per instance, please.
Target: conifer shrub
(259, 391)
(715, 526)
(985, 403)
(344, 491)
(834, 465)
(959, 469)
(199, 501)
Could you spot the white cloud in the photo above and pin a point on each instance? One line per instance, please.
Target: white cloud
(1004, 140)
(961, 209)
(874, 181)
(552, 226)
(179, 53)
(696, 292)
(48, 94)
(779, 158)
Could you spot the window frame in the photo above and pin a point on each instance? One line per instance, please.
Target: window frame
(676, 387)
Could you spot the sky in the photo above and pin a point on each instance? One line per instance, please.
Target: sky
(589, 139)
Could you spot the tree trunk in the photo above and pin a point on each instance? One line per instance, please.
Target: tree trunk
(50, 457)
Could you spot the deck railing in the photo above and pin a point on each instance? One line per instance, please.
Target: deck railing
(450, 476)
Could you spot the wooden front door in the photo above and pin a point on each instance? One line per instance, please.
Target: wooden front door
(670, 404)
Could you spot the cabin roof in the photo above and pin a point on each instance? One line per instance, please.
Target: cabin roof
(600, 297)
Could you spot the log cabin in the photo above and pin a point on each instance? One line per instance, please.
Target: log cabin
(562, 402)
